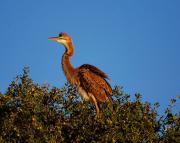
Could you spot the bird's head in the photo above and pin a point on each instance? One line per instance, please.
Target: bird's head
(64, 39)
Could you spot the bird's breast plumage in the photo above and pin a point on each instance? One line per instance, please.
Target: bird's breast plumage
(83, 93)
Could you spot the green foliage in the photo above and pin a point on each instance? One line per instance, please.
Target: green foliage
(33, 113)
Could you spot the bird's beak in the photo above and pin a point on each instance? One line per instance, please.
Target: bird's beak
(53, 38)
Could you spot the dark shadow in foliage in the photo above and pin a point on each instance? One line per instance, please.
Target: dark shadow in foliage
(33, 113)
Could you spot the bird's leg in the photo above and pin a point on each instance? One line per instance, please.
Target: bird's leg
(96, 105)
(110, 104)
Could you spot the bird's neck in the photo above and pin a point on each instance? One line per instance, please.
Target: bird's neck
(68, 69)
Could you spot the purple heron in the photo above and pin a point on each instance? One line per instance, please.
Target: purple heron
(90, 82)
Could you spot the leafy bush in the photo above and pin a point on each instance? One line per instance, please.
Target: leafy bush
(33, 113)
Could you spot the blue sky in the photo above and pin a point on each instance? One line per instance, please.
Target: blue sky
(137, 43)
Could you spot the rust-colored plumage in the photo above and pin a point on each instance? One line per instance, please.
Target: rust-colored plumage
(89, 80)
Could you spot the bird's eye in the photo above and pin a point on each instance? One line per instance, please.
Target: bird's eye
(60, 35)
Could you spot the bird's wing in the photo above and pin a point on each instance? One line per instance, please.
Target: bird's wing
(92, 80)
(94, 70)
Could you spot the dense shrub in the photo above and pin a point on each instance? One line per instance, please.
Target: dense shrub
(33, 113)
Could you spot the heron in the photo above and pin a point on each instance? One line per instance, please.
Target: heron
(90, 82)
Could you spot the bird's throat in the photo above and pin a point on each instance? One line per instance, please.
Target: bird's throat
(69, 48)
